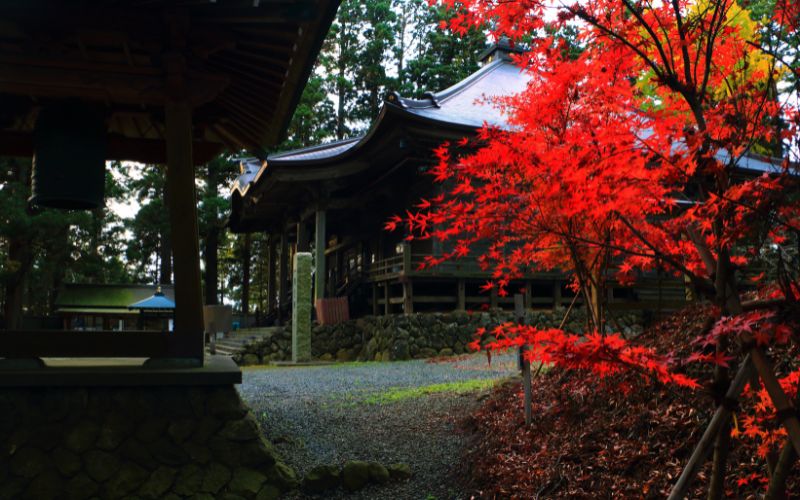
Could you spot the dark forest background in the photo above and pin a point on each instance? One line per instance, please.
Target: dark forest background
(372, 48)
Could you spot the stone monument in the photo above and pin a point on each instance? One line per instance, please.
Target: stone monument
(301, 308)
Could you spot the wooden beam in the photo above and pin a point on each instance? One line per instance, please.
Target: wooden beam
(184, 234)
(119, 148)
(102, 85)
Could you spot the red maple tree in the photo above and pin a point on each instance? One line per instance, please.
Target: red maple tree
(628, 153)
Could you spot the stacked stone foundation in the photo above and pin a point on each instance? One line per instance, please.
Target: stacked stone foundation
(137, 442)
(413, 336)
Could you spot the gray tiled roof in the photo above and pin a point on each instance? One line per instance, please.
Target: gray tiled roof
(472, 102)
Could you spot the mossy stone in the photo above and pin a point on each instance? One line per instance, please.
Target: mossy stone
(399, 472)
(378, 473)
(321, 478)
(215, 477)
(355, 475)
(247, 482)
(29, 462)
(101, 465)
(81, 487)
(82, 437)
(159, 482)
(67, 463)
(269, 492)
(46, 486)
(282, 476)
(190, 477)
(242, 430)
(129, 477)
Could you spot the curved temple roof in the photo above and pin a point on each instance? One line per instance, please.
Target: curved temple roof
(460, 110)
(449, 114)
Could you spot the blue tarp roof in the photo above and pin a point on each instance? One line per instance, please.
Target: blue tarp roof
(157, 301)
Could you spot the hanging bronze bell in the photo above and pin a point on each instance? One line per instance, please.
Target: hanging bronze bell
(69, 156)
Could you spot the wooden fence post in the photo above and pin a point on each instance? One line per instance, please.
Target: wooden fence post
(525, 365)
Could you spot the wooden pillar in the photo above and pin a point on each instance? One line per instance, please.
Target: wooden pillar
(387, 306)
(302, 236)
(556, 294)
(283, 276)
(272, 282)
(493, 302)
(185, 240)
(527, 300)
(320, 242)
(375, 299)
(461, 296)
(407, 258)
(408, 297)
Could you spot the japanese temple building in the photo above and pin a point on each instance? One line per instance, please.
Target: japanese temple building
(337, 197)
(347, 190)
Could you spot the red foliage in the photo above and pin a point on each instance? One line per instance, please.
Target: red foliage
(623, 158)
(623, 444)
(602, 152)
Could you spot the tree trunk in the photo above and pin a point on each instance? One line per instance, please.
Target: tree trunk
(211, 258)
(19, 256)
(246, 243)
(340, 84)
(165, 277)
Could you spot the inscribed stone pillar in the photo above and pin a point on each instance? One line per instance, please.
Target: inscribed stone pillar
(301, 307)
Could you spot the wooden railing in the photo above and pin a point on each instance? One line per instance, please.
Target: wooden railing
(385, 268)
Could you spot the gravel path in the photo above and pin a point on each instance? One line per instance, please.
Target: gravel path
(327, 415)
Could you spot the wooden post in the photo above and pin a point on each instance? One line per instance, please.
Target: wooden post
(185, 240)
(272, 282)
(556, 294)
(703, 448)
(525, 365)
(283, 276)
(406, 258)
(387, 306)
(528, 302)
(461, 295)
(493, 302)
(408, 297)
(375, 299)
(302, 236)
(320, 242)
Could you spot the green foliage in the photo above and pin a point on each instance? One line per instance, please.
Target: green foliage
(372, 48)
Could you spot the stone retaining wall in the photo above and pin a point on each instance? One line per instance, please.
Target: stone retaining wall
(399, 337)
(140, 442)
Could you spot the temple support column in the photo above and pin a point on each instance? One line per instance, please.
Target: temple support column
(302, 236)
(320, 242)
(556, 294)
(461, 296)
(408, 296)
(185, 240)
(272, 251)
(283, 276)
